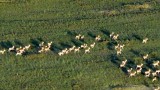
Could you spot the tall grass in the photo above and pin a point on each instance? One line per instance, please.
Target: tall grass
(59, 21)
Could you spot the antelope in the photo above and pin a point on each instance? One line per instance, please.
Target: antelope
(147, 73)
(111, 34)
(40, 50)
(156, 63)
(18, 53)
(158, 71)
(154, 74)
(84, 46)
(139, 68)
(11, 48)
(76, 49)
(27, 47)
(145, 40)
(87, 50)
(115, 37)
(41, 44)
(92, 45)
(129, 70)
(82, 37)
(123, 63)
(19, 48)
(117, 47)
(98, 38)
(46, 48)
(145, 56)
(78, 36)
(132, 74)
(154, 79)
(60, 53)
(50, 43)
(119, 52)
(158, 88)
(122, 46)
(72, 48)
(2, 51)
(64, 50)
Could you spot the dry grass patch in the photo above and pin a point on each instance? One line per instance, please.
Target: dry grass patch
(138, 7)
(110, 12)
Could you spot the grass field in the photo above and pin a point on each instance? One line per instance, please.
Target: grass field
(24, 22)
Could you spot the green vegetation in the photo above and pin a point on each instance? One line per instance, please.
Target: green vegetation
(24, 22)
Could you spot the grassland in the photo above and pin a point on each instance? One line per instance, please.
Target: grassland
(24, 22)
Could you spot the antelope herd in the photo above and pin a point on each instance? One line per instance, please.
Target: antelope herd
(154, 74)
(139, 69)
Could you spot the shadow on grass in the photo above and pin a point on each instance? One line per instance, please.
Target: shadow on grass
(76, 42)
(136, 37)
(71, 33)
(35, 42)
(56, 48)
(6, 44)
(106, 32)
(137, 53)
(91, 35)
(111, 44)
(115, 59)
(65, 45)
(18, 42)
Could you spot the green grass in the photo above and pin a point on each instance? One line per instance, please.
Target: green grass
(30, 21)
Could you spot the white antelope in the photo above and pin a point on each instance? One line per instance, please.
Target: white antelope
(98, 38)
(72, 48)
(158, 88)
(119, 52)
(46, 49)
(50, 43)
(132, 74)
(27, 47)
(92, 45)
(18, 53)
(76, 49)
(111, 35)
(78, 36)
(11, 48)
(87, 50)
(129, 70)
(2, 51)
(156, 63)
(123, 63)
(41, 44)
(139, 66)
(84, 45)
(82, 37)
(122, 46)
(64, 50)
(60, 53)
(139, 70)
(115, 37)
(145, 57)
(116, 47)
(147, 73)
(145, 40)
(154, 79)
(154, 74)
(158, 72)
